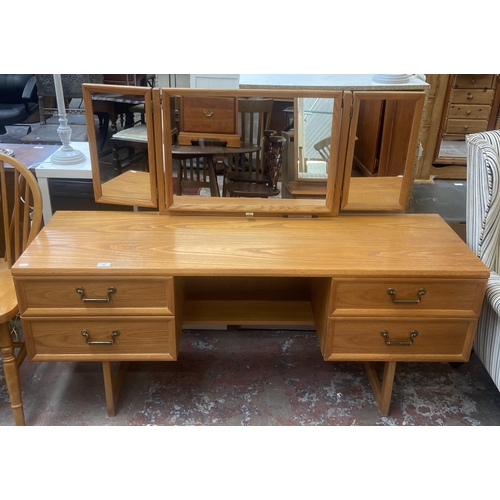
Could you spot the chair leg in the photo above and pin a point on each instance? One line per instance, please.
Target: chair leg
(212, 174)
(180, 175)
(103, 129)
(11, 374)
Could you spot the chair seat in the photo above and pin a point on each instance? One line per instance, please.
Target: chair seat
(251, 190)
(8, 299)
(246, 177)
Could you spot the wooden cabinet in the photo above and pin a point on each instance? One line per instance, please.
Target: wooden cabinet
(111, 318)
(394, 319)
(377, 288)
(209, 118)
(457, 105)
(470, 105)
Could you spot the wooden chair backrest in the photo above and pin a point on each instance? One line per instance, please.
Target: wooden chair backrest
(193, 173)
(254, 117)
(323, 148)
(20, 206)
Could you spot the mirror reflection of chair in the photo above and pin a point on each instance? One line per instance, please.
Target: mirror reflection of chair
(254, 117)
(18, 100)
(21, 206)
(274, 146)
(196, 172)
(323, 148)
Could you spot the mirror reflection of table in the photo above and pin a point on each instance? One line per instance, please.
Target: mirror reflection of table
(215, 153)
(138, 184)
(116, 106)
(135, 139)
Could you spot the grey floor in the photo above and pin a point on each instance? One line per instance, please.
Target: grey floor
(254, 378)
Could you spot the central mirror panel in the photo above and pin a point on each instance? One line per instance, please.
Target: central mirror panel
(121, 141)
(245, 152)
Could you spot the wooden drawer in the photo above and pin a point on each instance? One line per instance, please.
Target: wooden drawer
(61, 339)
(436, 340)
(465, 126)
(371, 297)
(43, 296)
(474, 81)
(208, 114)
(470, 112)
(459, 96)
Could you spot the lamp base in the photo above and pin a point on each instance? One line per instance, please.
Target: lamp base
(66, 155)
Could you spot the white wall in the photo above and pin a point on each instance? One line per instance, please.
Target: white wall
(208, 81)
(172, 81)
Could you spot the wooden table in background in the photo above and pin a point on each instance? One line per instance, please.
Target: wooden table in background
(31, 154)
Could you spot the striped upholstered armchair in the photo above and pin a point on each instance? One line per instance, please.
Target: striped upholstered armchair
(483, 237)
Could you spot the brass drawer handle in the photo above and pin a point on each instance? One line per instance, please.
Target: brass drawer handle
(208, 112)
(114, 334)
(81, 291)
(385, 334)
(421, 291)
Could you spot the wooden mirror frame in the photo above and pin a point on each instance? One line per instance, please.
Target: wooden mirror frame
(159, 185)
(141, 190)
(191, 205)
(379, 193)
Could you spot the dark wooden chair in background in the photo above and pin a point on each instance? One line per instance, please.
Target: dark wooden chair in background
(272, 162)
(254, 118)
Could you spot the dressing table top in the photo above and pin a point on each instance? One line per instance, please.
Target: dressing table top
(147, 243)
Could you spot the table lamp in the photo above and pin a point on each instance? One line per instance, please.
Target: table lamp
(65, 155)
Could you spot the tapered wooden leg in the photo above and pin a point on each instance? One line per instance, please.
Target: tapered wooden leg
(11, 373)
(382, 389)
(113, 385)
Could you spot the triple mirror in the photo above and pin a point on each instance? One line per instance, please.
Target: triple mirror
(252, 152)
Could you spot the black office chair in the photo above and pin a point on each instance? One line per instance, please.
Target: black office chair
(18, 100)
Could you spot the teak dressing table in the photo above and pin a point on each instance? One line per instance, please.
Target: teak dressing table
(377, 287)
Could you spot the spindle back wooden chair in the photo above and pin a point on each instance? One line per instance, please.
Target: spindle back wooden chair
(254, 118)
(274, 146)
(21, 220)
